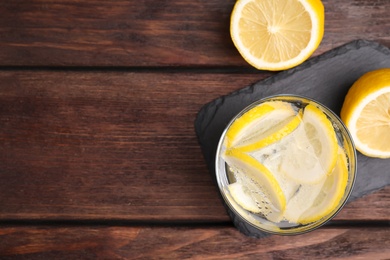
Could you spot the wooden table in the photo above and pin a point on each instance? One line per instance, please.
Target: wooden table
(99, 157)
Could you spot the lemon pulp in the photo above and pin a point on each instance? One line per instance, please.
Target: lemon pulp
(312, 152)
(277, 34)
(366, 113)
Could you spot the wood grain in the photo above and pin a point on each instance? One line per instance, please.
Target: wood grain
(98, 153)
(79, 145)
(154, 33)
(189, 242)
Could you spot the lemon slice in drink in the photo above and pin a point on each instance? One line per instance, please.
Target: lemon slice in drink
(314, 201)
(366, 113)
(271, 157)
(311, 153)
(258, 186)
(275, 134)
(262, 125)
(242, 194)
(330, 194)
(302, 201)
(277, 34)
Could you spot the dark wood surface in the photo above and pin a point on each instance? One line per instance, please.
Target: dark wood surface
(98, 153)
(154, 33)
(212, 242)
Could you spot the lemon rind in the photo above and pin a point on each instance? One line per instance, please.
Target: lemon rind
(274, 188)
(363, 147)
(340, 191)
(287, 129)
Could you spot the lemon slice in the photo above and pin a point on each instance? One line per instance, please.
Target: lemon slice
(331, 193)
(311, 151)
(272, 157)
(262, 125)
(312, 202)
(275, 134)
(242, 194)
(366, 113)
(258, 185)
(277, 34)
(302, 201)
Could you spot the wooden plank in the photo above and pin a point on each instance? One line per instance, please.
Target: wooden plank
(154, 33)
(189, 242)
(79, 145)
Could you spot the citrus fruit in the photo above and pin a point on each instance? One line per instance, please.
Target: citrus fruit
(331, 192)
(242, 194)
(275, 134)
(311, 150)
(277, 34)
(262, 125)
(302, 201)
(366, 113)
(271, 157)
(258, 185)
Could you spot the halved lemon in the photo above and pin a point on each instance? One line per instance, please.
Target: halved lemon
(366, 113)
(277, 34)
(257, 189)
(311, 150)
(262, 125)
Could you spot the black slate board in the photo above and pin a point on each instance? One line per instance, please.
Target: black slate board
(325, 78)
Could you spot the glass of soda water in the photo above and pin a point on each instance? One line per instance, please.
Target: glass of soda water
(285, 165)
